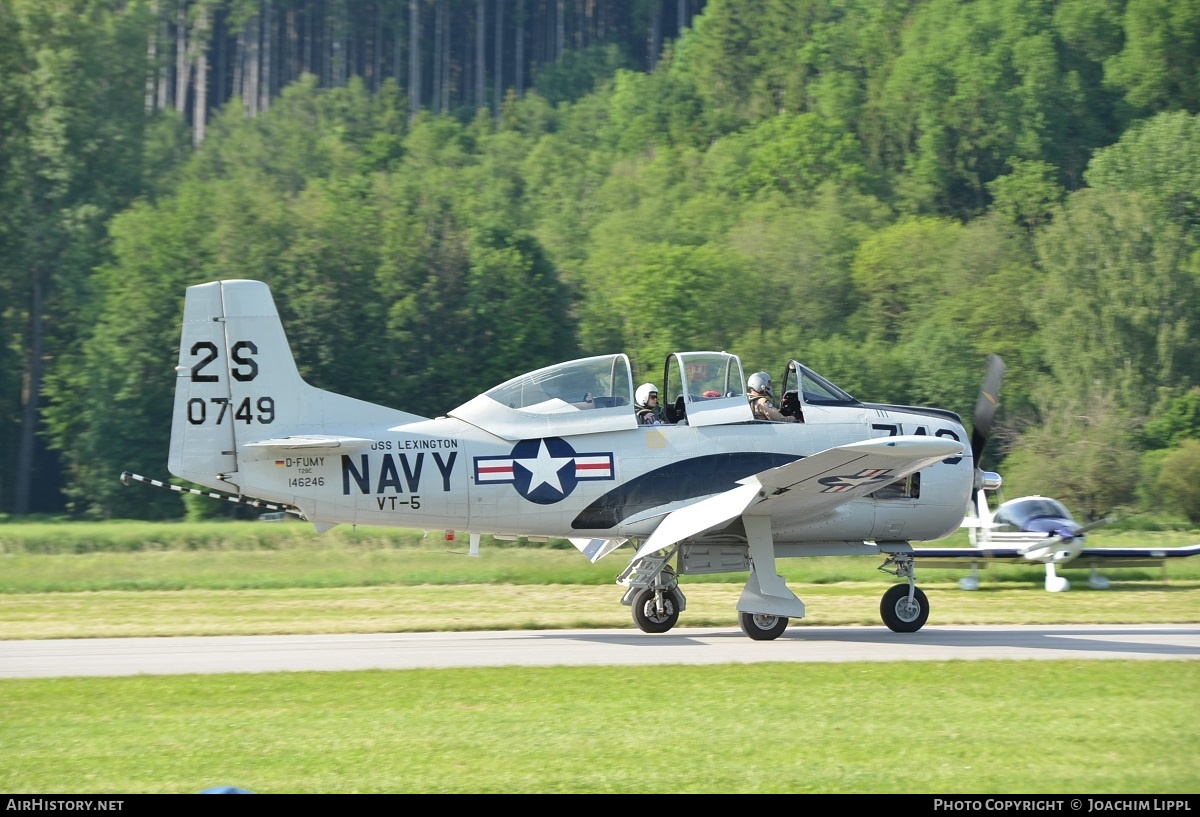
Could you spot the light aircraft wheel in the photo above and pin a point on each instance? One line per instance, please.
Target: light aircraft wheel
(900, 615)
(646, 615)
(762, 627)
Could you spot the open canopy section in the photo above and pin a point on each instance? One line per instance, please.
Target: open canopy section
(582, 396)
(705, 388)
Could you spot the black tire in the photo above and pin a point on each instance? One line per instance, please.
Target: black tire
(762, 627)
(646, 615)
(898, 615)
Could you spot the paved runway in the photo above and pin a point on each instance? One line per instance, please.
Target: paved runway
(171, 656)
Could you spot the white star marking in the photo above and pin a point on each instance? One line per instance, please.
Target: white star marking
(544, 469)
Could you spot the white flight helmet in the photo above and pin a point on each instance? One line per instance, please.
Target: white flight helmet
(642, 395)
(761, 383)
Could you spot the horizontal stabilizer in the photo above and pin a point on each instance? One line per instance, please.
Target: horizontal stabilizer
(310, 441)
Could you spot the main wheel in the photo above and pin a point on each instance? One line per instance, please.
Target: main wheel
(646, 615)
(901, 615)
(762, 627)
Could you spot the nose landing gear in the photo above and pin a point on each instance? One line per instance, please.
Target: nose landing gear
(904, 608)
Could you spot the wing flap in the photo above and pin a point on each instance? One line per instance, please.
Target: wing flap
(596, 549)
(701, 516)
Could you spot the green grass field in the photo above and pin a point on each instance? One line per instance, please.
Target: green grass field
(947, 727)
(967, 727)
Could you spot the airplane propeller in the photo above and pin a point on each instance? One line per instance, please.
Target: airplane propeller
(985, 412)
(1069, 535)
(1091, 526)
(985, 407)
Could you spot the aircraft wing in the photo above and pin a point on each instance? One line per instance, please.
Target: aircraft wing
(808, 487)
(1087, 557)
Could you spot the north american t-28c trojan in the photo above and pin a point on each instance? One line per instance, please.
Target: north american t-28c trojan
(559, 453)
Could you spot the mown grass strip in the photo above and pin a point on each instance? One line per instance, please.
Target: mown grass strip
(432, 608)
(1008, 727)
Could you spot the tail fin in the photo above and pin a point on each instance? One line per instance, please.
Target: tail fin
(237, 384)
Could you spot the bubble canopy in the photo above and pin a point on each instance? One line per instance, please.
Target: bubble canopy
(591, 394)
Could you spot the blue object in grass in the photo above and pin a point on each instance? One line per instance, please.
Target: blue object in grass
(226, 790)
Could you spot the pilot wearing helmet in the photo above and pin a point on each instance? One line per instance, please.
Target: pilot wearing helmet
(761, 395)
(646, 406)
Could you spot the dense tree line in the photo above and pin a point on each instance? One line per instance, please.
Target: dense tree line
(450, 56)
(887, 191)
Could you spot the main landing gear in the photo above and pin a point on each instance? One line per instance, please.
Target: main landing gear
(653, 593)
(656, 615)
(762, 627)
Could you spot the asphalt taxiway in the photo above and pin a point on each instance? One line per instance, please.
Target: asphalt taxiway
(291, 653)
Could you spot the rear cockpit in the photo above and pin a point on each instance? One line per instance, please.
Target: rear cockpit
(583, 396)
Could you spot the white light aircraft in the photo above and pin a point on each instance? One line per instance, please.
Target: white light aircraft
(558, 453)
(1040, 530)
(1032, 529)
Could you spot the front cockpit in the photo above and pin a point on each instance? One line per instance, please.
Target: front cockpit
(803, 387)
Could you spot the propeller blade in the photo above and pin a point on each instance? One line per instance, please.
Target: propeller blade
(1053, 550)
(1097, 524)
(985, 406)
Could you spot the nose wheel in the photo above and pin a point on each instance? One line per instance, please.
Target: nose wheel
(902, 614)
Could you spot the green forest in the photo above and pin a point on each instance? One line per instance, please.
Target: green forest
(443, 194)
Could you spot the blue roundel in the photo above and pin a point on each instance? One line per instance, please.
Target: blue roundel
(544, 470)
